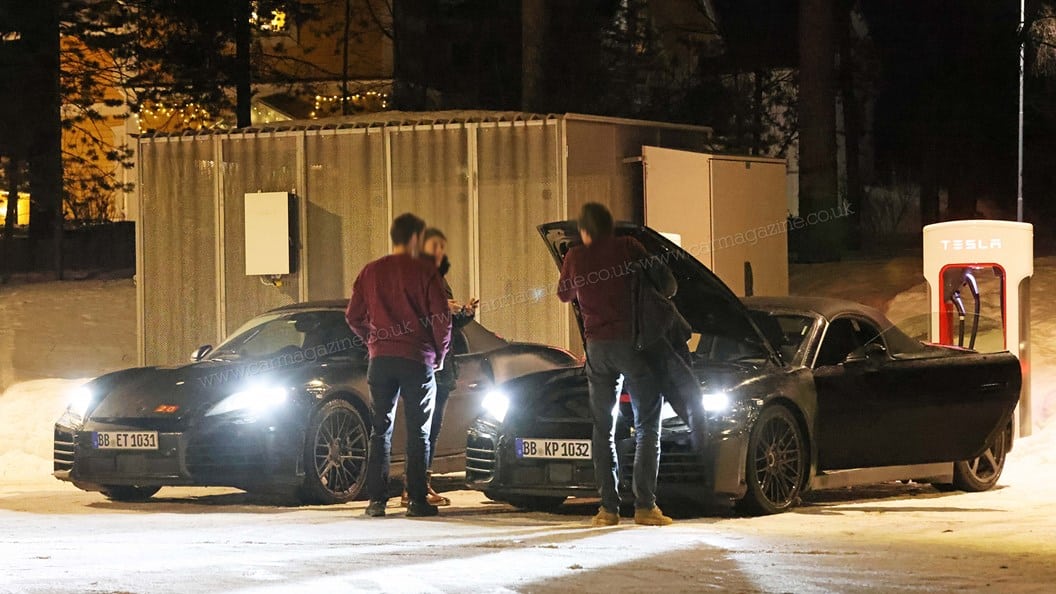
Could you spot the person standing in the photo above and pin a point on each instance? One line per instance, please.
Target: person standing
(399, 309)
(434, 251)
(597, 276)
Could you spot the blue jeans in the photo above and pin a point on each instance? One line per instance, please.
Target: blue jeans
(392, 378)
(606, 361)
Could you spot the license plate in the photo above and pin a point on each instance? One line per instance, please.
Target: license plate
(574, 449)
(125, 440)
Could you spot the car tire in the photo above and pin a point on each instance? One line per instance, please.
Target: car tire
(128, 494)
(335, 454)
(776, 465)
(982, 473)
(536, 503)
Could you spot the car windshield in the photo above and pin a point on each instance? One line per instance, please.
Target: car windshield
(310, 334)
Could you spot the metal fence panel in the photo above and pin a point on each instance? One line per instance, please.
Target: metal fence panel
(178, 259)
(348, 216)
(519, 188)
(430, 178)
(254, 163)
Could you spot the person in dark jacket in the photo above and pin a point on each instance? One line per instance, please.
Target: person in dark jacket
(399, 310)
(434, 251)
(597, 275)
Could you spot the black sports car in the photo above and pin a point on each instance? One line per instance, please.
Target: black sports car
(801, 393)
(281, 406)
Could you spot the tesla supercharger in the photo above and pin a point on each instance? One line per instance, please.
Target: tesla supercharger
(978, 275)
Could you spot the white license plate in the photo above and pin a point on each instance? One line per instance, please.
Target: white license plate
(125, 440)
(574, 449)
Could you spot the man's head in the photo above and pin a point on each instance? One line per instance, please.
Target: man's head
(406, 233)
(434, 243)
(595, 222)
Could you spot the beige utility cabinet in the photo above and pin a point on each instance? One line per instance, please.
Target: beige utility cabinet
(729, 211)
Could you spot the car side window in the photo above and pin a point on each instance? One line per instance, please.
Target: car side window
(866, 333)
(840, 340)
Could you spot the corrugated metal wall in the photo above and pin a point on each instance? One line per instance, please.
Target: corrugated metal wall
(253, 163)
(176, 276)
(520, 188)
(487, 185)
(348, 207)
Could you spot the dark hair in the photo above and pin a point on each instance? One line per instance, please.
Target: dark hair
(432, 232)
(404, 227)
(596, 220)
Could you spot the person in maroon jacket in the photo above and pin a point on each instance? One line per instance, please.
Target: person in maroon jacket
(597, 276)
(399, 310)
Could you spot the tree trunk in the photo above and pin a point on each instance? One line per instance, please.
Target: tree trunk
(345, 42)
(852, 129)
(13, 174)
(533, 40)
(243, 65)
(757, 114)
(818, 199)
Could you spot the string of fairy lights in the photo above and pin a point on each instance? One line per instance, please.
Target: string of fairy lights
(365, 101)
(174, 117)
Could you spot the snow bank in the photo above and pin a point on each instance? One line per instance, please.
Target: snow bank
(28, 412)
(1033, 459)
(66, 329)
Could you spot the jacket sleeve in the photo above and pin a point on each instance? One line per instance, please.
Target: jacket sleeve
(439, 315)
(356, 313)
(566, 288)
(656, 270)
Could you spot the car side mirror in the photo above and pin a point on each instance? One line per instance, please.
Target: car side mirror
(200, 352)
(871, 352)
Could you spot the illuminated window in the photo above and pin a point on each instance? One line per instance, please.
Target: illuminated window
(271, 22)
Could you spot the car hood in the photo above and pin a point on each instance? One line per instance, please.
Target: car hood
(703, 299)
(151, 392)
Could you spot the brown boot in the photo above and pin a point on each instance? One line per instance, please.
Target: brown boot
(605, 518)
(651, 517)
(431, 496)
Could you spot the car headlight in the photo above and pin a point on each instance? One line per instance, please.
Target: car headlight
(715, 401)
(81, 399)
(254, 400)
(495, 404)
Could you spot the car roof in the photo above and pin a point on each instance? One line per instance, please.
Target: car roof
(826, 307)
(308, 305)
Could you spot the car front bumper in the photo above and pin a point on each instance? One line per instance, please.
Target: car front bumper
(220, 452)
(493, 467)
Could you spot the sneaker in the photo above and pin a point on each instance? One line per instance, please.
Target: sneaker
(605, 518)
(651, 517)
(421, 509)
(376, 509)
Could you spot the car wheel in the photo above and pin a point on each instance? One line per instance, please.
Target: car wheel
(128, 494)
(535, 502)
(776, 464)
(982, 473)
(335, 454)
